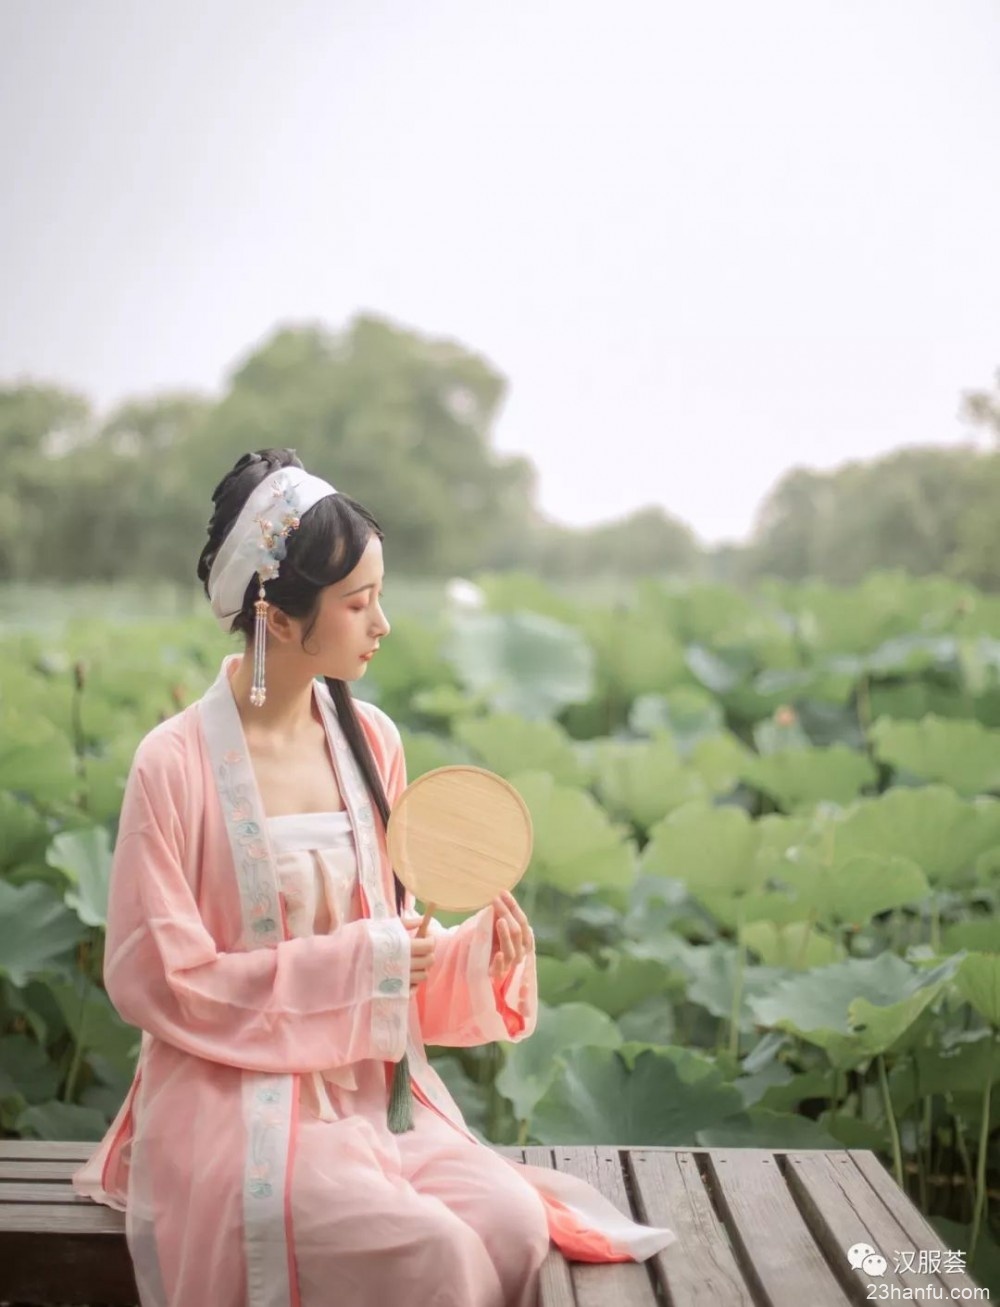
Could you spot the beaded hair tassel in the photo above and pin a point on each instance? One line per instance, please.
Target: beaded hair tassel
(272, 552)
(258, 690)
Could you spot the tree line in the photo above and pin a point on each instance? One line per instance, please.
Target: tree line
(404, 423)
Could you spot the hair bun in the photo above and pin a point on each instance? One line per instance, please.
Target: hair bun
(246, 461)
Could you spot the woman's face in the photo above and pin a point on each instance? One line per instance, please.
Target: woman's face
(350, 621)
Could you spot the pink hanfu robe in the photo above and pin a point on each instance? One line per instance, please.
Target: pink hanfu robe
(251, 1155)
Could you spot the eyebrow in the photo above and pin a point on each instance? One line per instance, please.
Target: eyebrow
(364, 587)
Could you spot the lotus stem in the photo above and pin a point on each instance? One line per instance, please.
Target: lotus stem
(897, 1155)
(864, 705)
(74, 1066)
(935, 924)
(806, 936)
(984, 1134)
(920, 1134)
(734, 1015)
(79, 743)
(963, 1152)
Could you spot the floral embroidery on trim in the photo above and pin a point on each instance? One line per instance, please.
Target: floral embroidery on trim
(249, 850)
(389, 939)
(266, 1140)
(267, 1100)
(390, 966)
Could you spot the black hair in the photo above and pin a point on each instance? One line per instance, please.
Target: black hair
(326, 547)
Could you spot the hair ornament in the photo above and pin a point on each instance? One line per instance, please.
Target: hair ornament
(256, 546)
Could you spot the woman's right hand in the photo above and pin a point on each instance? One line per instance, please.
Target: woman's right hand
(421, 954)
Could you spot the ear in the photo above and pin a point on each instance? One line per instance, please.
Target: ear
(279, 624)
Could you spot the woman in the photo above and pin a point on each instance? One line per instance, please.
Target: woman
(285, 1140)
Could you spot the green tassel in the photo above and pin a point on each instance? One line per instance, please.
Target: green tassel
(401, 1099)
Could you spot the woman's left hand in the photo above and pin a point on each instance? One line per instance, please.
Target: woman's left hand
(512, 936)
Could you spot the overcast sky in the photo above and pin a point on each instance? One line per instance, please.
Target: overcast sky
(704, 241)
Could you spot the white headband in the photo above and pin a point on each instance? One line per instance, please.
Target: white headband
(258, 539)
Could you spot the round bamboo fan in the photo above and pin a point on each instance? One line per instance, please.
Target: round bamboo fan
(458, 836)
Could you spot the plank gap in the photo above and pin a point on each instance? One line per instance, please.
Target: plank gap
(721, 1209)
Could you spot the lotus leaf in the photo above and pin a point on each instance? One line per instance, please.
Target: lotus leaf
(85, 858)
(795, 778)
(712, 973)
(530, 1066)
(785, 1096)
(425, 751)
(619, 986)
(759, 1127)
(853, 889)
(651, 1021)
(667, 1097)
(575, 844)
(635, 655)
(710, 850)
(56, 1120)
(94, 1023)
(979, 935)
(644, 781)
(688, 714)
(964, 1066)
(717, 672)
(851, 1132)
(521, 662)
(719, 760)
(38, 932)
(24, 832)
(978, 982)
(26, 1062)
(36, 757)
(796, 946)
(852, 1009)
(962, 754)
(932, 826)
(502, 742)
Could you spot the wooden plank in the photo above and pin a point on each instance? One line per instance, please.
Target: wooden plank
(62, 1218)
(842, 1210)
(42, 1169)
(555, 1281)
(598, 1284)
(73, 1150)
(16, 1192)
(700, 1270)
(919, 1232)
(782, 1264)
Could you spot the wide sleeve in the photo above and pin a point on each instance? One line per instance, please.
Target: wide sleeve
(301, 1005)
(459, 1005)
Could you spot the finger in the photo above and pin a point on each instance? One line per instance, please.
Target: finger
(509, 944)
(518, 912)
(514, 913)
(501, 956)
(513, 922)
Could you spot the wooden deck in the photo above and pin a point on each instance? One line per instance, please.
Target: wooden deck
(754, 1226)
